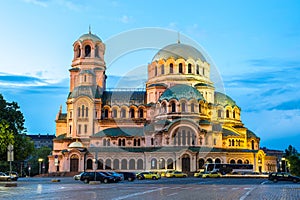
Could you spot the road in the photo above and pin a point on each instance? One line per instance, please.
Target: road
(165, 188)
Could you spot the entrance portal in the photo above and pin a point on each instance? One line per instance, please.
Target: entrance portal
(185, 163)
(74, 162)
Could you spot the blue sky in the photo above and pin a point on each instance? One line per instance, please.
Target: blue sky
(254, 45)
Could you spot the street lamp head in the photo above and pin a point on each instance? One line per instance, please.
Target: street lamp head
(40, 159)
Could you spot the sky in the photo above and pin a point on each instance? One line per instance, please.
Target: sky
(254, 47)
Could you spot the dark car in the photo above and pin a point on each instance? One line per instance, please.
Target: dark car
(86, 177)
(117, 176)
(283, 176)
(130, 176)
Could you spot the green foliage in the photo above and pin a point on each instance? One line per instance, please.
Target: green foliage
(294, 160)
(42, 153)
(6, 136)
(12, 131)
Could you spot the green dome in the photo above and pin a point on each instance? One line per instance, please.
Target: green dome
(89, 36)
(224, 100)
(178, 50)
(181, 91)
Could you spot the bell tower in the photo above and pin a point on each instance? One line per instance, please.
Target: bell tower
(87, 83)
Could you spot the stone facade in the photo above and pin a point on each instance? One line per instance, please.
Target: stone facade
(178, 122)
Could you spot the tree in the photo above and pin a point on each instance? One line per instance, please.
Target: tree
(293, 158)
(12, 131)
(42, 153)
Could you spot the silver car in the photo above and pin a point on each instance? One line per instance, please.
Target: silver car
(5, 177)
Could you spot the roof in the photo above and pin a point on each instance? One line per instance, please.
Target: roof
(203, 85)
(89, 36)
(181, 91)
(124, 97)
(227, 133)
(250, 134)
(178, 50)
(224, 100)
(121, 131)
(62, 116)
(76, 145)
(84, 90)
(41, 137)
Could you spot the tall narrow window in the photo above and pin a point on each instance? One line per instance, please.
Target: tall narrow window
(203, 71)
(79, 129)
(155, 71)
(78, 112)
(162, 69)
(85, 128)
(82, 111)
(86, 112)
(197, 69)
(252, 144)
(189, 68)
(173, 105)
(219, 113)
(87, 50)
(171, 68)
(123, 113)
(114, 113)
(106, 113)
(131, 113)
(104, 142)
(70, 129)
(183, 107)
(233, 114)
(227, 113)
(180, 70)
(141, 113)
(78, 51)
(97, 51)
(200, 111)
(192, 107)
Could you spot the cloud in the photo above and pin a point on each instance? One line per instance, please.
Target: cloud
(41, 3)
(20, 80)
(126, 19)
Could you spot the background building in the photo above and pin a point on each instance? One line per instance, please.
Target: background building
(178, 122)
(42, 140)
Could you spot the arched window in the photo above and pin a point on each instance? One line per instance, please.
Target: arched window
(100, 164)
(239, 161)
(232, 161)
(86, 112)
(131, 112)
(162, 69)
(170, 164)
(197, 69)
(131, 164)
(171, 68)
(183, 107)
(192, 107)
(152, 141)
(108, 164)
(232, 143)
(229, 142)
(252, 144)
(219, 113)
(184, 136)
(116, 164)
(227, 113)
(104, 142)
(78, 52)
(87, 51)
(173, 106)
(201, 163)
(89, 164)
(106, 113)
(114, 113)
(163, 107)
(97, 51)
(123, 113)
(82, 111)
(141, 113)
(124, 164)
(162, 163)
(180, 69)
(217, 160)
(140, 164)
(155, 71)
(108, 142)
(246, 162)
(233, 114)
(78, 112)
(153, 163)
(209, 160)
(189, 68)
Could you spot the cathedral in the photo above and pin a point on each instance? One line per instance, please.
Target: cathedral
(177, 122)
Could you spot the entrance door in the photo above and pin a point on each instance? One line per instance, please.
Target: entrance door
(186, 164)
(74, 162)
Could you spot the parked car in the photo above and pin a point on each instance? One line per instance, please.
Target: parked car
(176, 174)
(77, 176)
(163, 174)
(130, 176)
(117, 176)
(86, 177)
(198, 174)
(214, 174)
(5, 177)
(283, 176)
(148, 175)
(14, 175)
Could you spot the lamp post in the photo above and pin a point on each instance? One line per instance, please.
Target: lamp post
(40, 164)
(95, 161)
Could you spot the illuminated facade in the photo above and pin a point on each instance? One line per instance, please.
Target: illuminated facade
(178, 122)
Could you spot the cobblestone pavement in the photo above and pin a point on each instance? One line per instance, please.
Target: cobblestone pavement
(189, 188)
